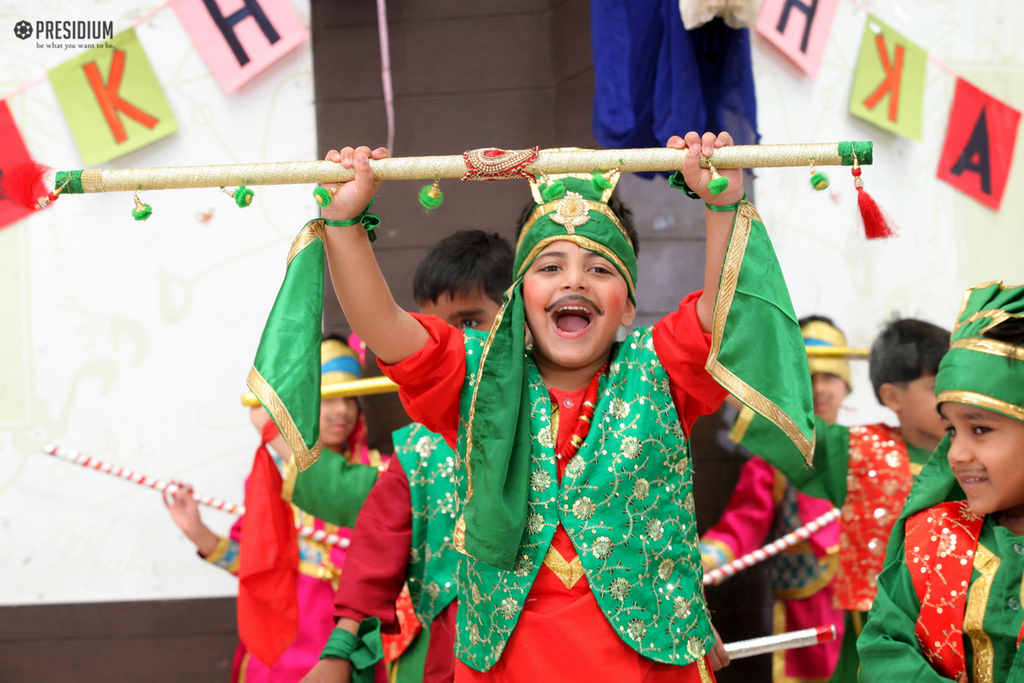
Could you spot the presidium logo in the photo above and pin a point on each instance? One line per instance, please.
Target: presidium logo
(60, 34)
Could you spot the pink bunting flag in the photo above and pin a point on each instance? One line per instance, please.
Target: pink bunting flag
(240, 38)
(13, 154)
(798, 28)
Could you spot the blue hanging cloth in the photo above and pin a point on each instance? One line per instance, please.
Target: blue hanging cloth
(654, 79)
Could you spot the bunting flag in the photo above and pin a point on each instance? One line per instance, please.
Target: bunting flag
(980, 141)
(799, 29)
(888, 86)
(13, 153)
(286, 373)
(240, 42)
(112, 100)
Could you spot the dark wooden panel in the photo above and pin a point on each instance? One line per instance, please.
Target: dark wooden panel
(455, 55)
(155, 641)
(329, 13)
(570, 39)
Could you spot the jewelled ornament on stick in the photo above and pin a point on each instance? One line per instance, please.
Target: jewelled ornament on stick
(27, 187)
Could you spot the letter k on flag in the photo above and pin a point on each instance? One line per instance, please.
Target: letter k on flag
(112, 100)
(888, 86)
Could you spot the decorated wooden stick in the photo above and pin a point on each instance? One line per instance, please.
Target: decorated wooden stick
(358, 387)
(838, 352)
(478, 164)
(782, 641)
(719, 574)
(84, 460)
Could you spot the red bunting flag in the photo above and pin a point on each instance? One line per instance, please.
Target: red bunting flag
(980, 140)
(13, 154)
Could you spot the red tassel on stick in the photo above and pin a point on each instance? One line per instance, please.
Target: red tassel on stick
(23, 183)
(877, 225)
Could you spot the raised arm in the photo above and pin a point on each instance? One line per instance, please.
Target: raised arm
(369, 307)
(719, 223)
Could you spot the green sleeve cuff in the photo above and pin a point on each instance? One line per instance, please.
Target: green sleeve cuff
(364, 649)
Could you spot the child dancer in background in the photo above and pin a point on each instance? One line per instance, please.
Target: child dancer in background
(949, 599)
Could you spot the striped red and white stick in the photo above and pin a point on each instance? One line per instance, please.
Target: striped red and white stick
(79, 458)
(720, 574)
(782, 641)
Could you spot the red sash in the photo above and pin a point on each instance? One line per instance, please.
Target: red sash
(878, 483)
(940, 546)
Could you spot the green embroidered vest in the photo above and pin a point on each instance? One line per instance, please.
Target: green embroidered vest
(429, 464)
(626, 501)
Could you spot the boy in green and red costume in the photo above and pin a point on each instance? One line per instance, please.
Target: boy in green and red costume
(949, 599)
(867, 471)
(576, 518)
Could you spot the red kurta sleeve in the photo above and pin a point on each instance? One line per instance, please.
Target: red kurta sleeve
(377, 562)
(431, 379)
(683, 348)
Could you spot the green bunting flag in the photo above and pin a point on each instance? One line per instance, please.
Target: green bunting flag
(286, 373)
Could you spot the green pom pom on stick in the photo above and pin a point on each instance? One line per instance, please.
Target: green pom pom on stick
(141, 211)
(600, 182)
(819, 181)
(431, 197)
(322, 196)
(553, 191)
(718, 185)
(243, 196)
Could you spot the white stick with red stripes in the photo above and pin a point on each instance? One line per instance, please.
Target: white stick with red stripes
(79, 458)
(782, 641)
(719, 574)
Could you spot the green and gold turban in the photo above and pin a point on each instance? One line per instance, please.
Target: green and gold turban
(976, 371)
(818, 333)
(753, 323)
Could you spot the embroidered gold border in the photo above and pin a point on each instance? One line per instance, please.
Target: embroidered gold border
(611, 176)
(745, 215)
(569, 573)
(987, 563)
(552, 207)
(741, 425)
(459, 534)
(702, 668)
(973, 398)
(304, 456)
(311, 232)
(290, 476)
(584, 242)
(991, 346)
(219, 550)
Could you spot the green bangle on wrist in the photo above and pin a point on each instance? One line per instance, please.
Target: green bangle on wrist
(727, 207)
(368, 220)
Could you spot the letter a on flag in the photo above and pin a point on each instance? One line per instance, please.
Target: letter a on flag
(240, 38)
(112, 100)
(799, 28)
(980, 141)
(888, 86)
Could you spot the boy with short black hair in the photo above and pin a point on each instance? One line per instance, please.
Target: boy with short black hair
(949, 599)
(404, 535)
(576, 505)
(868, 471)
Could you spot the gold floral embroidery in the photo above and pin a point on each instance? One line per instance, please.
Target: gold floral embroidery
(987, 563)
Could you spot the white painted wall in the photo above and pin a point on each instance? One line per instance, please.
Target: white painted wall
(131, 341)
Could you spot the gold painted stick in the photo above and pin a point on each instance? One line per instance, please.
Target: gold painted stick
(427, 168)
(841, 352)
(359, 387)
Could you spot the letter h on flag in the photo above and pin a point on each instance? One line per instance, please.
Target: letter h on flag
(238, 39)
(112, 100)
(798, 28)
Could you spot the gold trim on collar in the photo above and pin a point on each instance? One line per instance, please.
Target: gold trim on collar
(569, 573)
(972, 398)
(584, 242)
(311, 232)
(552, 207)
(304, 456)
(992, 346)
(745, 215)
(987, 564)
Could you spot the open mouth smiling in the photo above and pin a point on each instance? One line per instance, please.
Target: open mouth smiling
(572, 316)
